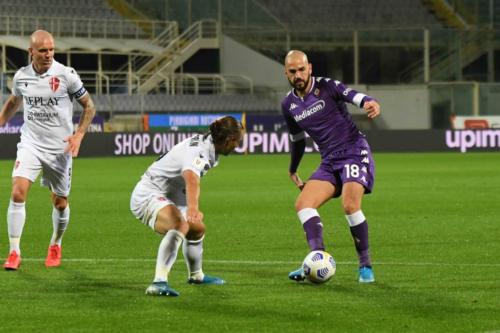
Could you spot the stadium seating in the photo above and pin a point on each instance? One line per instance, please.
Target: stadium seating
(348, 14)
(59, 8)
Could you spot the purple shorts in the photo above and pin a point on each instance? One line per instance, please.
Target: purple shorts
(353, 164)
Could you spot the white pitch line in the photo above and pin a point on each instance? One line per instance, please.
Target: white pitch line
(270, 262)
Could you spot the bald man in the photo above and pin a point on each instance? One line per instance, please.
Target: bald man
(316, 106)
(48, 143)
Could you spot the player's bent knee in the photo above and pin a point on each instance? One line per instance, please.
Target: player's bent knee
(302, 203)
(351, 207)
(183, 228)
(18, 195)
(196, 231)
(20, 189)
(169, 218)
(162, 226)
(60, 203)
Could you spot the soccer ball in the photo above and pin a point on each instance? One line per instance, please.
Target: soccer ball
(319, 266)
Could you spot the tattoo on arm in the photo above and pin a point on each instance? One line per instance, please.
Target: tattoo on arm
(87, 114)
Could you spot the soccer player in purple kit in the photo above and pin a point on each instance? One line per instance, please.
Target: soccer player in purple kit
(316, 106)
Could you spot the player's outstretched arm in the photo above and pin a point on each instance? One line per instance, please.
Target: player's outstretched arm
(192, 180)
(9, 108)
(372, 108)
(74, 141)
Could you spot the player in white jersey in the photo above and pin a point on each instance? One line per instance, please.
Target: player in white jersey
(46, 89)
(167, 197)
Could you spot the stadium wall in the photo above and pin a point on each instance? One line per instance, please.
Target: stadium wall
(239, 59)
(151, 143)
(403, 107)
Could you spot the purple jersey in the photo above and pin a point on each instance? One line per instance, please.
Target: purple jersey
(323, 115)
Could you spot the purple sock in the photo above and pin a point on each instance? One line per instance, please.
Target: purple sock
(314, 233)
(360, 236)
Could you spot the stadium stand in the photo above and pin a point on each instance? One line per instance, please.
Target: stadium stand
(144, 50)
(59, 8)
(351, 14)
(95, 27)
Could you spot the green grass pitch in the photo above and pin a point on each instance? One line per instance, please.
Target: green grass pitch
(435, 241)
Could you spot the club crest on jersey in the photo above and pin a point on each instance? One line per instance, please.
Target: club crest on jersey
(54, 83)
(316, 92)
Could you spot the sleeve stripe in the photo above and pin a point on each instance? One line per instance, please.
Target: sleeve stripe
(297, 137)
(358, 98)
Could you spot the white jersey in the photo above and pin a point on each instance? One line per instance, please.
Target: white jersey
(196, 153)
(48, 105)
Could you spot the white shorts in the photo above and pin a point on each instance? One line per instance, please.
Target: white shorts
(146, 203)
(56, 168)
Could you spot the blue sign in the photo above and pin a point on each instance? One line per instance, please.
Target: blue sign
(187, 120)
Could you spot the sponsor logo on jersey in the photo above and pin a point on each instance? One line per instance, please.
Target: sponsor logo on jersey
(292, 106)
(54, 83)
(347, 91)
(315, 107)
(40, 101)
(364, 152)
(42, 116)
(26, 81)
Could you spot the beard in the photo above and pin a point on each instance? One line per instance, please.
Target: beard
(300, 85)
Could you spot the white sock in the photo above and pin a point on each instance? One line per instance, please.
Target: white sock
(16, 216)
(60, 220)
(167, 253)
(193, 254)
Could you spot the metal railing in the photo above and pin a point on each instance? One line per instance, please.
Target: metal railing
(447, 59)
(182, 84)
(179, 50)
(201, 29)
(119, 82)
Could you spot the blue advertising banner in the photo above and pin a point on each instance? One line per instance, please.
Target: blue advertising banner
(191, 121)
